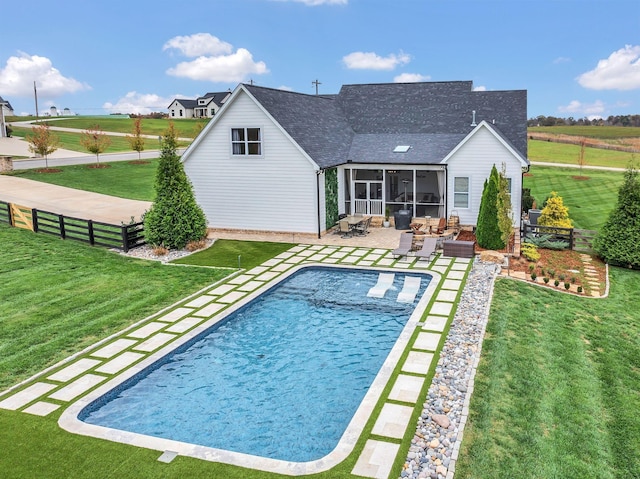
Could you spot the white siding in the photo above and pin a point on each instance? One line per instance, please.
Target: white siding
(273, 192)
(474, 160)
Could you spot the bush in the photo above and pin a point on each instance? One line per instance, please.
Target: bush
(527, 199)
(546, 280)
(530, 251)
(618, 242)
(579, 289)
(534, 276)
(556, 282)
(546, 241)
(555, 213)
(488, 234)
(175, 218)
(567, 285)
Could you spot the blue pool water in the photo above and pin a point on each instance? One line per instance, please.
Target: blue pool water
(279, 378)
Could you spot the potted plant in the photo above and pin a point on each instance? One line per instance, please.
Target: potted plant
(385, 223)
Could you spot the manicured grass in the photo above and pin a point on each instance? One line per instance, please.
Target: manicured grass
(234, 254)
(556, 393)
(60, 296)
(124, 179)
(589, 200)
(186, 128)
(550, 152)
(601, 132)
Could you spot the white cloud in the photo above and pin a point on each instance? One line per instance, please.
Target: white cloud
(480, 88)
(223, 68)
(372, 61)
(198, 44)
(285, 88)
(140, 103)
(314, 3)
(583, 109)
(216, 61)
(560, 60)
(17, 77)
(410, 78)
(621, 71)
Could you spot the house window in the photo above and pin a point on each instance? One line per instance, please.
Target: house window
(173, 113)
(246, 141)
(461, 192)
(180, 112)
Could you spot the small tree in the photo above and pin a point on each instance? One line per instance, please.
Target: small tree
(43, 142)
(95, 141)
(618, 242)
(175, 218)
(136, 140)
(581, 158)
(555, 213)
(505, 210)
(487, 229)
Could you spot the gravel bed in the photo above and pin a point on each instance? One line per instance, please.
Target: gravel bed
(436, 443)
(146, 252)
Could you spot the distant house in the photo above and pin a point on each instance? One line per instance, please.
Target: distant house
(203, 107)
(274, 160)
(5, 110)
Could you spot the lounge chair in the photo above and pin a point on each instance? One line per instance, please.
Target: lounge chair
(385, 280)
(345, 230)
(428, 248)
(362, 228)
(406, 240)
(409, 289)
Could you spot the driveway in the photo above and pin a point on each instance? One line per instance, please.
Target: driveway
(70, 202)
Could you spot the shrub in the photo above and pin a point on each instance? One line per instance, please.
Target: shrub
(556, 282)
(174, 218)
(555, 213)
(534, 276)
(160, 250)
(618, 242)
(551, 272)
(196, 245)
(546, 241)
(488, 233)
(579, 289)
(546, 280)
(561, 277)
(530, 252)
(527, 199)
(531, 267)
(567, 285)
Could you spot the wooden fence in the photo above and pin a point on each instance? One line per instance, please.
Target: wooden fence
(579, 240)
(122, 237)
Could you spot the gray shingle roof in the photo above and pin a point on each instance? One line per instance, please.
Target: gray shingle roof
(8, 105)
(364, 123)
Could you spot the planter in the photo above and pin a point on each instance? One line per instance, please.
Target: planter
(386, 223)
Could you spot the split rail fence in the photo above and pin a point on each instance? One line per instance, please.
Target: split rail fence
(579, 240)
(96, 233)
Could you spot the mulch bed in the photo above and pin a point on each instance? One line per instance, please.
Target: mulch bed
(48, 170)
(99, 165)
(139, 162)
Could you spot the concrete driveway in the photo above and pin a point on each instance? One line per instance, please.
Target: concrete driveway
(70, 202)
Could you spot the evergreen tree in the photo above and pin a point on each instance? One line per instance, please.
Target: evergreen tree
(174, 218)
(487, 229)
(618, 242)
(504, 208)
(555, 213)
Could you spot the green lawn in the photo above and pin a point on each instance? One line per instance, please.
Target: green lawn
(550, 152)
(61, 296)
(122, 178)
(590, 201)
(557, 393)
(234, 254)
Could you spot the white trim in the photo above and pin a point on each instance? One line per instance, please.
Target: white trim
(483, 124)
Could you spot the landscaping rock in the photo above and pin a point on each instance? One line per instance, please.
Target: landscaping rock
(441, 420)
(492, 257)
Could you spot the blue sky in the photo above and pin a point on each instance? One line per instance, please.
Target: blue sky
(575, 57)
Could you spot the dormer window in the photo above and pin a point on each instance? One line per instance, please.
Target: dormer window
(246, 141)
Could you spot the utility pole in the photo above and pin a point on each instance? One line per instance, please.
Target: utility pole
(316, 83)
(35, 92)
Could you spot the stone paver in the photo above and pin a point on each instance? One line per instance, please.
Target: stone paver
(417, 362)
(114, 348)
(376, 459)
(24, 397)
(41, 408)
(435, 323)
(452, 284)
(406, 388)
(427, 341)
(182, 312)
(77, 387)
(119, 363)
(154, 342)
(146, 330)
(73, 370)
(185, 325)
(441, 308)
(209, 310)
(447, 295)
(392, 421)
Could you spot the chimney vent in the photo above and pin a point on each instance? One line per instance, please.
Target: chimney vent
(473, 121)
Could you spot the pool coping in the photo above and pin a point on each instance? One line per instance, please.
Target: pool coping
(69, 418)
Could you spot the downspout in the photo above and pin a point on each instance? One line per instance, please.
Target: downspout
(318, 173)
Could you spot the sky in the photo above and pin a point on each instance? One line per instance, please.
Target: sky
(576, 58)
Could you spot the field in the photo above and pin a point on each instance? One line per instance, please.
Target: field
(550, 152)
(599, 132)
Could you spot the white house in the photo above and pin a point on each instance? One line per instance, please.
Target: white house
(274, 160)
(203, 107)
(5, 110)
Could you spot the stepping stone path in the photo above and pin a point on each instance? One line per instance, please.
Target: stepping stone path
(592, 275)
(66, 382)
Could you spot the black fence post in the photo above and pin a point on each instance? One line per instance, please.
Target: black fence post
(61, 223)
(10, 214)
(125, 238)
(34, 219)
(90, 228)
(572, 239)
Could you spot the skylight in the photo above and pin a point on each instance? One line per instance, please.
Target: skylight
(401, 149)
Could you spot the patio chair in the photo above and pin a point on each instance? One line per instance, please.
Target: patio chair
(385, 281)
(362, 228)
(345, 230)
(409, 289)
(428, 248)
(442, 225)
(406, 240)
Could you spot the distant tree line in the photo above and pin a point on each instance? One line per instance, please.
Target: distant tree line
(617, 120)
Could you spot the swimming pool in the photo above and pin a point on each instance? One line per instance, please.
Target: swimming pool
(282, 377)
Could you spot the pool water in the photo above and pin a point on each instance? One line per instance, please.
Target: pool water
(280, 378)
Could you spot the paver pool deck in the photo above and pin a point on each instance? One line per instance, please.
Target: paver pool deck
(63, 384)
